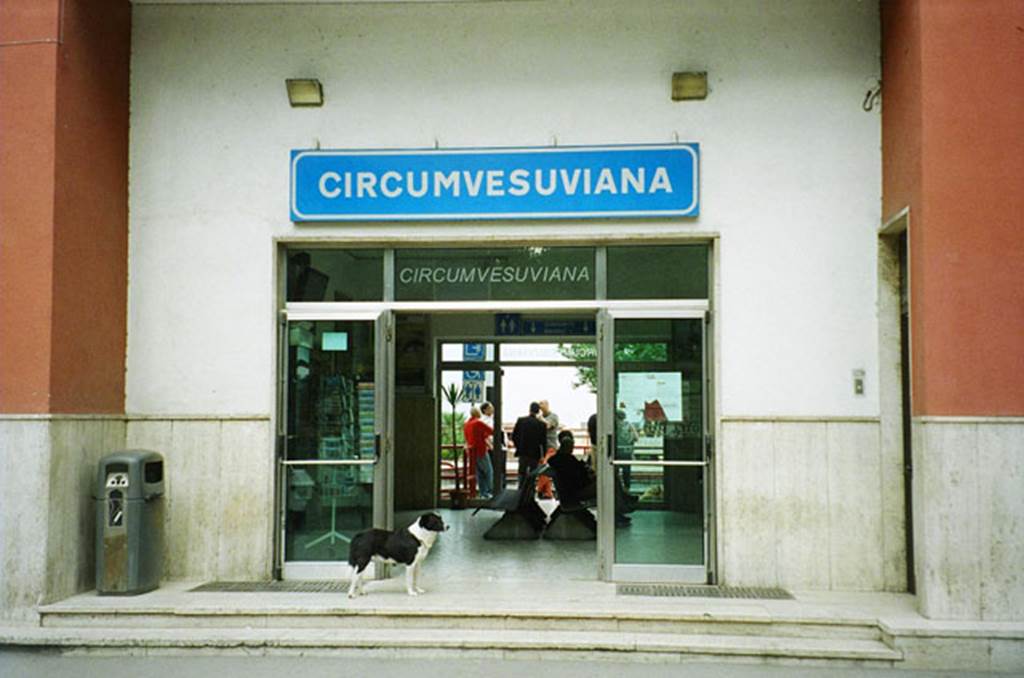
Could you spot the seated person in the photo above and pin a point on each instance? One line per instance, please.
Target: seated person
(574, 480)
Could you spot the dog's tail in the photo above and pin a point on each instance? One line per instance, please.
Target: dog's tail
(352, 551)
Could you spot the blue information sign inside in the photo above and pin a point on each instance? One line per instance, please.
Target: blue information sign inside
(513, 325)
(506, 183)
(473, 351)
(550, 328)
(473, 391)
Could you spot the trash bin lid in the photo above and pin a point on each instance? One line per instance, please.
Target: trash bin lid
(133, 464)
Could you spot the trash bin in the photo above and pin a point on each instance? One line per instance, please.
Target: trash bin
(129, 522)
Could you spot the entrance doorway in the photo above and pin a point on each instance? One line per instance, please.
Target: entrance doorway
(368, 438)
(509, 375)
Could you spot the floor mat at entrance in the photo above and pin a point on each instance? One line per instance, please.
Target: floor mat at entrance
(272, 587)
(702, 591)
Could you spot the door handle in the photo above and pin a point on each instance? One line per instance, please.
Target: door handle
(611, 457)
(376, 447)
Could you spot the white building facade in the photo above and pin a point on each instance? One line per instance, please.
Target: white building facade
(808, 493)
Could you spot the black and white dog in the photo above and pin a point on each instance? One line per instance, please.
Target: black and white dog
(409, 547)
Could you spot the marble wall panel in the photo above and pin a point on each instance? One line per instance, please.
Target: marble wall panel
(47, 531)
(894, 511)
(24, 492)
(800, 505)
(77, 446)
(856, 503)
(219, 495)
(969, 518)
(245, 549)
(747, 528)
(1001, 493)
(946, 509)
(804, 505)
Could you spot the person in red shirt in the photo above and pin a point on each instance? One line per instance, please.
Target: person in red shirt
(477, 434)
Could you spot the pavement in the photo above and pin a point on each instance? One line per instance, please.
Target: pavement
(29, 664)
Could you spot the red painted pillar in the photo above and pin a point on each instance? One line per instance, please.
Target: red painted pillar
(63, 205)
(954, 154)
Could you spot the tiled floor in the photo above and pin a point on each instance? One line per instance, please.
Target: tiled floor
(463, 553)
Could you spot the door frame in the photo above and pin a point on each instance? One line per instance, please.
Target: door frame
(383, 461)
(383, 504)
(610, 571)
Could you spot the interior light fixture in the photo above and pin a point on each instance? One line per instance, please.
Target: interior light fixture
(689, 86)
(304, 92)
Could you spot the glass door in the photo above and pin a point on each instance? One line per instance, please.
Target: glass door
(653, 423)
(334, 456)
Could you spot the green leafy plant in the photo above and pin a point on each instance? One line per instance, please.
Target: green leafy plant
(447, 426)
(453, 395)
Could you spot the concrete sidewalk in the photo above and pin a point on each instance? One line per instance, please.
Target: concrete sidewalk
(27, 663)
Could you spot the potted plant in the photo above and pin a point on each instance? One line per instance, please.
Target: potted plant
(453, 395)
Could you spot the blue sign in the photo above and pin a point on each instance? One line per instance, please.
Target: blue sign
(474, 384)
(513, 325)
(473, 351)
(473, 391)
(508, 324)
(559, 328)
(505, 183)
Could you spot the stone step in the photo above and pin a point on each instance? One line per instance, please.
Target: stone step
(343, 618)
(450, 642)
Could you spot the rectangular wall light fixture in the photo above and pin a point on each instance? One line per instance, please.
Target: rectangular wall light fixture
(689, 86)
(305, 92)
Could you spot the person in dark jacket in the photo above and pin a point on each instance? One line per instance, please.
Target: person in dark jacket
(574, 481)
(529, 436)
